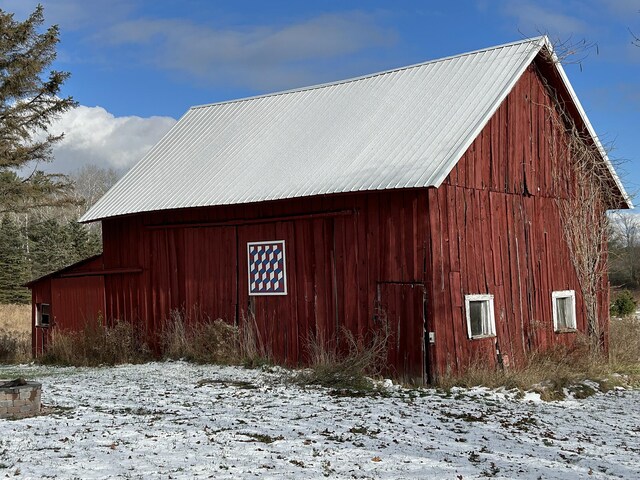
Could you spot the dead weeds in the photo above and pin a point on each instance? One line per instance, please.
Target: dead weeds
(565, 371)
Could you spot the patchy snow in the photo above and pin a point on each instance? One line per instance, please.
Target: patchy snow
(178, 420)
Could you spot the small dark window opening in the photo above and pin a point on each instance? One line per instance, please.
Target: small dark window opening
(478, 314)
(564, 315)
(42, 315)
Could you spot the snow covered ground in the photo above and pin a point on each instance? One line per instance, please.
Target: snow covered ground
(177, 420)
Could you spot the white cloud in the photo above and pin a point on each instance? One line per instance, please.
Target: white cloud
(92, 135)
(535, 18)
(261, 57)
(622, 8)
(72, 14)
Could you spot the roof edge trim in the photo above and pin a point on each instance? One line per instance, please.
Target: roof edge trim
(369, 75)
(454, 158)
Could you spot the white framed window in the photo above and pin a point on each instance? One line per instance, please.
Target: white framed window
(564, 310)
(480, 318)
(42, 314)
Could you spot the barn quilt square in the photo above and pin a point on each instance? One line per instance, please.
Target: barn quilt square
(267, 268)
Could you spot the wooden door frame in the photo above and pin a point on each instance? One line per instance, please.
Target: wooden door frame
(427, 374)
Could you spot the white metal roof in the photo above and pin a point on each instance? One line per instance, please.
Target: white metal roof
(401, 128)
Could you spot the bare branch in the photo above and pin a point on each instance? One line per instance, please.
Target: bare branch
(584, 190)
(636, 39)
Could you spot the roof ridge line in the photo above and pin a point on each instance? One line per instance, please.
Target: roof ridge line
(539, 39)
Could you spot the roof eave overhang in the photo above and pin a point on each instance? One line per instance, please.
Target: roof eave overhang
(32, 283)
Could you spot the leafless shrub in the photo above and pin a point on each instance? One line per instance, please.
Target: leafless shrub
(215, 342)
(14, 347)
(584, 190)
(202, 340)
(96, 344)
(345, 366)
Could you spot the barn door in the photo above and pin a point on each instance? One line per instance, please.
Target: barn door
(193, 270)
(401, 308)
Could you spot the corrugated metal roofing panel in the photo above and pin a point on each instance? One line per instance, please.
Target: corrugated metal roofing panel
(397, 129)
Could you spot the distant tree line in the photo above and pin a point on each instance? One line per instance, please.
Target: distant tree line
(624, 250)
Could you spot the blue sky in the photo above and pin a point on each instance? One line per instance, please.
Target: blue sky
(137, 65)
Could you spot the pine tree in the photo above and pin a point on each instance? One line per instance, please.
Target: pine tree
(15, 266)
(51, 247)
(84, 242)
(29, 102)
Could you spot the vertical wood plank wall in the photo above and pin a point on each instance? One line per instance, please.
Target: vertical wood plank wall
(495, 228)
(335, 259)
(73, 301)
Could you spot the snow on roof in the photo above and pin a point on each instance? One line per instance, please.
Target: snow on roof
(400, 128)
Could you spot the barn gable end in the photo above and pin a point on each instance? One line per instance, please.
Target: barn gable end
(496, 228)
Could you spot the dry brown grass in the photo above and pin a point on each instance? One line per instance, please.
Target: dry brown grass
(203, 340)
(548, 372)
(554, 371)
(96, 345)
(624, 345)
(254, 352)
(15, 318)
(14, 347)
(347, 364)
(200, 342)
(15, 333)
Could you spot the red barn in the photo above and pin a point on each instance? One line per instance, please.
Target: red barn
(425, 200)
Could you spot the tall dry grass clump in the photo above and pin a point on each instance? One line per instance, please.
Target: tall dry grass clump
(345, 363)
(15, 333)
(624, 345)
(15, 318)
(556, 367)
(254, 351)
(96, 344)
(555, 371)
(203, 340)
(14, 347)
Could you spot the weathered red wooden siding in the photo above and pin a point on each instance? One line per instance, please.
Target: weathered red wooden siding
(74, 298)
(406, 354)
(76, 301)
(495, 228)
(338, 249)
